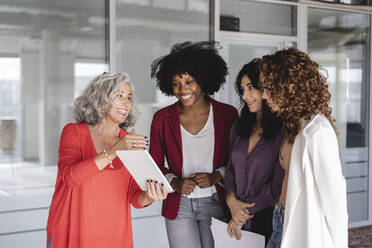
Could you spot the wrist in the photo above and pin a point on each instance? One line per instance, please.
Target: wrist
(111, 153)
(149, 200)
(145, 199)
(175, 183)
(230, 197)
(217, 176)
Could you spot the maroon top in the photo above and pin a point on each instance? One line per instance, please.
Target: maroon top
(165, 142)
(257, 176)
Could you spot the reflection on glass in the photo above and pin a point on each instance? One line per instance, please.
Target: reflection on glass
(10, 109)
(339, 41)
(147, 31)
(236, 55)
(259, 17)
(84, 73)
(40, 44)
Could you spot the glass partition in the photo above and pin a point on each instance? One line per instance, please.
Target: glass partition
(146, 30)
(258, 17)
(340, 41)
(42, 46)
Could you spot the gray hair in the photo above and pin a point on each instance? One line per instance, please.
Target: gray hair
(96, 101)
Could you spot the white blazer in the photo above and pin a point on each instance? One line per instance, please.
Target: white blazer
(315, 209)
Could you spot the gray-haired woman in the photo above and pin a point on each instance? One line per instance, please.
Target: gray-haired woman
(93, 192)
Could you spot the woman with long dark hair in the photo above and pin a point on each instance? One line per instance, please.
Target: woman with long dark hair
(253, 175)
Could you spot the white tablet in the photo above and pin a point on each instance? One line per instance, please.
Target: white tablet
(142, 167)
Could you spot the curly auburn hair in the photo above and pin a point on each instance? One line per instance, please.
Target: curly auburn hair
(198, 59)
(271, 124)
(296, 85)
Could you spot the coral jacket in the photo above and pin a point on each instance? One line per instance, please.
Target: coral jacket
(90, 208)
(165, 142)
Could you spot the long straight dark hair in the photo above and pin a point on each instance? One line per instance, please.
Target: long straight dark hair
(270, 122)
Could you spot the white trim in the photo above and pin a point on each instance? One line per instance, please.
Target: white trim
(112, 35)
(359, 224)
(302, 24)
(217, 15)
(318, 6)
(281, 2)
(369, 220)
(255, 36)
(370, 126)
(322, 5)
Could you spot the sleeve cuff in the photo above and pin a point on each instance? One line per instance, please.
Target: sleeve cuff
(221, 170)
(135, 200)
(169, 177)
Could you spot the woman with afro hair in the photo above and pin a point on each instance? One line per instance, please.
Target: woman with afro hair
(312, 209)
(192, 135)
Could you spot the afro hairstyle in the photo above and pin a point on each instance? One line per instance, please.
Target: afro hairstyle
(198, 59)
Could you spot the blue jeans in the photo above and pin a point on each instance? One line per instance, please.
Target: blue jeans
(278, 220)
(192, 227)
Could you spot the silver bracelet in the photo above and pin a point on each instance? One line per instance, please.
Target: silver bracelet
(107, 158)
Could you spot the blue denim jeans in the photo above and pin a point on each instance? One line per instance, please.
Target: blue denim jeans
(278, 220)
(192, 227)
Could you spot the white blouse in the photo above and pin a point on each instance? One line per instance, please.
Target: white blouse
(198, 151)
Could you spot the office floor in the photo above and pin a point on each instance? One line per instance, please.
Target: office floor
(25, 194)
(360, 237)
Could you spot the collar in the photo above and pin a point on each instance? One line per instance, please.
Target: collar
(309, 126)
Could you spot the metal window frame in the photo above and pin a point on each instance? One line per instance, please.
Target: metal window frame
(111, 4)
(302, 43)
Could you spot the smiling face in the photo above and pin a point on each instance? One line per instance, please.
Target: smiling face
(251, 96)
(121, 105)
(272, 105)
(186, 89)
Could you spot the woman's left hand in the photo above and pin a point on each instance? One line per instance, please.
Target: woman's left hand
(156, 191)
(205, 180)
(234, 229)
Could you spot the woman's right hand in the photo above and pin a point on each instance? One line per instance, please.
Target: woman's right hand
(238, 209)
(184, 186)
(132, 141)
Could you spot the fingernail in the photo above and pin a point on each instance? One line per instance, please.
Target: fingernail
(156, 181)
(145, 137)
(147, 180)
(150, 180)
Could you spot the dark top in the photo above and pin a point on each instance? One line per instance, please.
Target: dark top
(257, 176)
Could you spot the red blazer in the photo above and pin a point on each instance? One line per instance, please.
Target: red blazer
(165, 141)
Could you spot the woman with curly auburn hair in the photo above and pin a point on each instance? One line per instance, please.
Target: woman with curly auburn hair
(192, 135)
(312, 210)
(253, 177)
(93, 192)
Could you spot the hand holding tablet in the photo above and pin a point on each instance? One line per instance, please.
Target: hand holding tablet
(142, 167)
